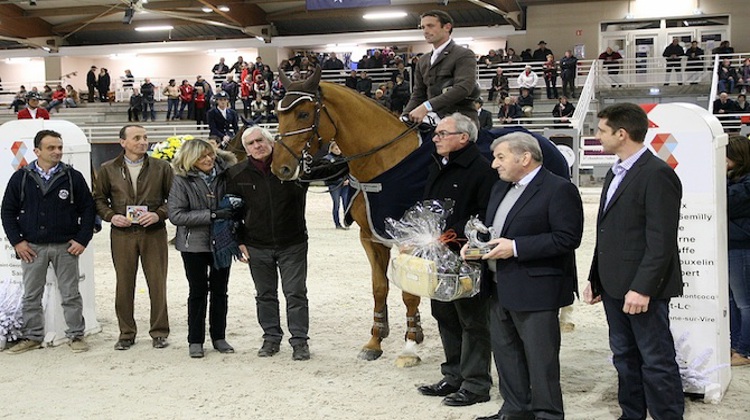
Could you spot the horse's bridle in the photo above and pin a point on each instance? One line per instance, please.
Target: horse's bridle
(305, 158)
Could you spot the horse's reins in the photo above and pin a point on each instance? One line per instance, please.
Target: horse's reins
(305, 158)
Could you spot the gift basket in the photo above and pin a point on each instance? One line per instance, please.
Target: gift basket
(426, 266)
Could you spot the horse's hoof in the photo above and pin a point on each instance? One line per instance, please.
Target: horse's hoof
(370, 355)
(406, 361)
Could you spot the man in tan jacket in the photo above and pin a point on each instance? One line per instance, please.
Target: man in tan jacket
(131, 192)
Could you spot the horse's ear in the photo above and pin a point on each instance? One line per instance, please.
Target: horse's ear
(312, 82)
(284, 79)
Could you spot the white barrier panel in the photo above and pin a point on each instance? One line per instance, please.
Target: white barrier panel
(16, 150)
(693, 142)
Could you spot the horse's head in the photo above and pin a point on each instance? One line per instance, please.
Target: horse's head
(299, 137)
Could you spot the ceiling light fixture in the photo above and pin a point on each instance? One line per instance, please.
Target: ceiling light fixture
(223, 8)
(384, 15)
(207, 9)
(154, 28)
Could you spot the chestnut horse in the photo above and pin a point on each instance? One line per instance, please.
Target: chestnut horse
(313, 114)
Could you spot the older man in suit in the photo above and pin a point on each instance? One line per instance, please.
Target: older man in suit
(636, 266)
(445, 79)
(539, 217)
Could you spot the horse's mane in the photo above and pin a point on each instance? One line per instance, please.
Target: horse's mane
(359, 98)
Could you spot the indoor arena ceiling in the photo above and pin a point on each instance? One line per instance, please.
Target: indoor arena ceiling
(54, 23)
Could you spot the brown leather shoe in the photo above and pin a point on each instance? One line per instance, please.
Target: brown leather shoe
(159, 342)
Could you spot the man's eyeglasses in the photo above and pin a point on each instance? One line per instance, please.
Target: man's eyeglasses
(443, 134)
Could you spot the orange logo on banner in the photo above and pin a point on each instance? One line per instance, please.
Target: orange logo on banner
(664, 145)
(19, 152)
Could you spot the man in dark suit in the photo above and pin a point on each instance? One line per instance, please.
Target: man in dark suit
(485, 117)
(222, 120)
(445, 79)
(636, 266)
(91, 83)
(462, 174)
(539, 217)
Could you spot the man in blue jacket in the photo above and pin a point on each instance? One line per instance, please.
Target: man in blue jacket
(48, 216)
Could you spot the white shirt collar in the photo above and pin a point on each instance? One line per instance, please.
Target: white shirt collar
(527, 179)
(439, 50)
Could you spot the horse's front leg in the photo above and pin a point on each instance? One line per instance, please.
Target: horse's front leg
(414, 334)
(378, 255)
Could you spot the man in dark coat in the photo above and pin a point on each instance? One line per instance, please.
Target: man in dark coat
(445, 79)
(539, 219)
(637, 277)
(333, 63)
(91, 83)
(673, 53)
(541, 53)
(461, 174)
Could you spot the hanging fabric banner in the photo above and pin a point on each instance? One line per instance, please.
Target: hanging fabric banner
(344, 4)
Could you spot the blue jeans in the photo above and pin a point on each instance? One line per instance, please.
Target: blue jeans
(339, 195)
(189, 106)
(146, 113)
(726, 85)
(644, 356)
(172, 104)
(739, 305)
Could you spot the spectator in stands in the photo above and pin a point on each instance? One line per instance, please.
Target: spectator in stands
(259, 63)
(541, 53)
(246, 95)
(727, 76)
(220, 71)
(743, 76)
(238, 66)
(741, 106)
(262, 88)
(509, 111)
(20, 99)
(267, 74)
(136, 105)
(296, 74)
(201, 105)
(694, 63)
(724, 105)
(91, 83)
(128, 80)
(364, 84)
(58, 98)
(71, 97)
(527, 79)
(232, 89)
(526, 55)
(673, 53)
(569, 71)
(186, 99)
(148, 91)
(400, 95)
(103, 84)
(485, 117)
(376, 60)
(563, 110)
(46, 96)
(401, 70)
(491, 59)
(526, 103)
(499, 84)
(351, 80)
(382, 99)
(511, 56)
(259, 109)
(550, 76)
(278, 90)
(172, 92)
(207, 89)
(32, 110)
(723, 49)
(611, 61)
(222, 120)
(333, 63)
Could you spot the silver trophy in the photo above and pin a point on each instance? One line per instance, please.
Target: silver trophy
(477, 248)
